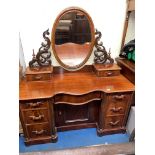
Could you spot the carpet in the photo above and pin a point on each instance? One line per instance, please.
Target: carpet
(75, 139)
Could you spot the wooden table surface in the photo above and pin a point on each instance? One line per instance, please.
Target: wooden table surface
(74, 84)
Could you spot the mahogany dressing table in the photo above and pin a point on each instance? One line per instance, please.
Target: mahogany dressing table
(73, 95)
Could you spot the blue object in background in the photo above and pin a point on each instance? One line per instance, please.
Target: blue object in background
(74, 139)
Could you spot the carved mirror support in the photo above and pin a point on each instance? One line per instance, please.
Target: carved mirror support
(43, 57)
(101, 55)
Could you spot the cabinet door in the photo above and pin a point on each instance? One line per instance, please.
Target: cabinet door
(66, 115)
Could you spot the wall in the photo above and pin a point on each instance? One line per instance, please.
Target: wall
(131, 28)
(131, 121)
(37, 16)
(21, 56)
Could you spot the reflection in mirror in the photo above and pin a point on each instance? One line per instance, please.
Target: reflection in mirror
(73, 38)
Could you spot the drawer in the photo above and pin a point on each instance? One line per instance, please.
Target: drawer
(38, 77)
(109, 73)
(38, 130)
(120, 98)
(106, 70)
(115, 108)
(113, 122)
(118, 103)
(77, 99)
(35, 104)
(35, 116)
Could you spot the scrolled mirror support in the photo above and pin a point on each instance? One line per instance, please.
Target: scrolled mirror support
(43, 57)
(101, 55)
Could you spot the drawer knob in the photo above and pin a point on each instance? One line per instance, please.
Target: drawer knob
(119, 97)
(35, 118)
(38, 77)
(116, 109)
(109, 73)
(114, 123)
(36, 104)
(39, 132)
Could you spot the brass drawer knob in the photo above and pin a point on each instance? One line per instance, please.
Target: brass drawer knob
(109, 73)
(114, 123)
(119, 97)
(38, 77)
(35, 118)
(36, 104)
(116, 109)
(39, 132)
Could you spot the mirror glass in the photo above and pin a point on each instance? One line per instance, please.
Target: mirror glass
(73, 39)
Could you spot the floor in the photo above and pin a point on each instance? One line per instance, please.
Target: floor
(75, 139)
(112, 149)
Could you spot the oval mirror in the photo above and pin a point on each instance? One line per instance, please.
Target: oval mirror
(73, 38)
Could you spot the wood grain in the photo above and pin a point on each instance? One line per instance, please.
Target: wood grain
(74, 84)
(74, 100)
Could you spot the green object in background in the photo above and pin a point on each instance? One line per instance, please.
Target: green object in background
(131, 55)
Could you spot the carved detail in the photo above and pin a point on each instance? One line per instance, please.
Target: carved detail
(101, 55)
(99, 131)
(54, 136)
(42, 58)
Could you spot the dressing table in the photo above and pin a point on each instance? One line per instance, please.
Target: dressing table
(73, 95)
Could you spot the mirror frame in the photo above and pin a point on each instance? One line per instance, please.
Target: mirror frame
(67, 10)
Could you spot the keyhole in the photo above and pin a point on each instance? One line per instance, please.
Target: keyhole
(60, 113)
